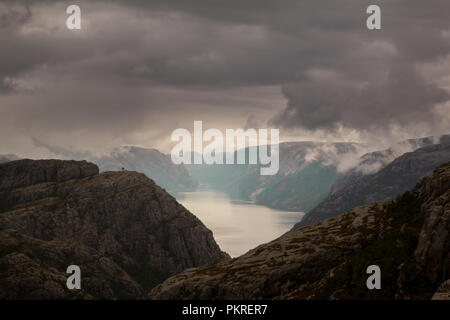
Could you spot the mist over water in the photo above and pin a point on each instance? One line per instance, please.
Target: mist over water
(238, 226)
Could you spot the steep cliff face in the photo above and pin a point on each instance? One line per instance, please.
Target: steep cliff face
(407, 238)
(57, 213)
(397, 177)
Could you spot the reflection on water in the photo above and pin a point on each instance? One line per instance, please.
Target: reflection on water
(238, 226)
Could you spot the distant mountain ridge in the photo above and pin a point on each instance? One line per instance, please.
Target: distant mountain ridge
(373, 162)
(386, 184)
(307, 171)
(151, 162)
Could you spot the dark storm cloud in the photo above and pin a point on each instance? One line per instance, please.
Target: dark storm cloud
(234, 42)
(135, 60)
(403, 98)
(11, 18)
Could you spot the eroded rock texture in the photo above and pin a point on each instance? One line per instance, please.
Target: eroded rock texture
(126, 233)
(407, 238)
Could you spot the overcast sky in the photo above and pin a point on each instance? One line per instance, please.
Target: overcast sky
(137, 70)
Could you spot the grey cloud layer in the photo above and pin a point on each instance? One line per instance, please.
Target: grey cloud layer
(331, 69)
(403, 98)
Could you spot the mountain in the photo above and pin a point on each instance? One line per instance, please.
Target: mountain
(407, 238)
(154, 164)
(8, 157)
(307, 172)
(373, 162)
(391, 181)
(151, 162)
(123, 231)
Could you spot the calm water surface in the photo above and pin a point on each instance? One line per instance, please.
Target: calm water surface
(238, 226)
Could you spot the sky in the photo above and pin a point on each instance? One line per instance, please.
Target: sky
(137, 70)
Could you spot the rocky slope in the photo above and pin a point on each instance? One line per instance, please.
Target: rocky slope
(407, 238)
(126, 233)
(391, 181)
(35, 269)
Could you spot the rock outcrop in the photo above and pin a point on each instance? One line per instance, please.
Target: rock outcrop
(27, 172)
(407, 238)
(126, 233)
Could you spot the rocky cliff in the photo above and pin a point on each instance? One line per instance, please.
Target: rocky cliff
(407, 238)
(126, 233)
(394, 179)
